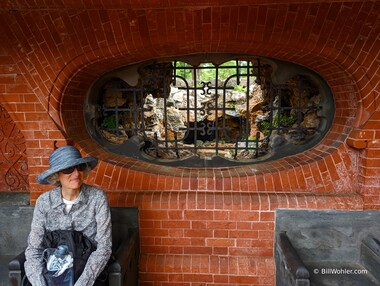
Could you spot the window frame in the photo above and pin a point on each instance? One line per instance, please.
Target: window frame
(281, 72)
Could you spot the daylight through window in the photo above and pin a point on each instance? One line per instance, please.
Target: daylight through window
(180, 112)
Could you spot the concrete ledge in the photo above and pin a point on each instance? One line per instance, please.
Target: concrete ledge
(337, 247)
(14, 199)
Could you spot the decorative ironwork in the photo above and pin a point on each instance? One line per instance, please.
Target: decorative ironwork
(13, 163)
(231, 111)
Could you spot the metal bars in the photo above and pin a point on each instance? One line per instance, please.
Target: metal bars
(230, 110)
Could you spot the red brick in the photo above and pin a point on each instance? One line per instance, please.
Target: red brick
(64, 61)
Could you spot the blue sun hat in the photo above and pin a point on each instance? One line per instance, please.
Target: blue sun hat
(63, 158)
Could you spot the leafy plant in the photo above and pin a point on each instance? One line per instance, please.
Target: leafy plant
(240, 88)
(264, 126)
(109, 121)
(278, 121)
(230, 105)
(283, 120)
(207, 71)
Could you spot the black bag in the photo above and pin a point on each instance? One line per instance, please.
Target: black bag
(79, 245)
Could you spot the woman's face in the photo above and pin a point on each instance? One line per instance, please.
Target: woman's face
(71, 180)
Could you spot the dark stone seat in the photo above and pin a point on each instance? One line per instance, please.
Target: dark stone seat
(15, 224)
(327, 248)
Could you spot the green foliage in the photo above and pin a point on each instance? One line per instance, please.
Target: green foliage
(207, 74)
(185, 70)
(109, 121)
(186, 73)
(283, 120)
(230, 105)
(240, 88)
(265, 127)
(224, 72)
(278, 121)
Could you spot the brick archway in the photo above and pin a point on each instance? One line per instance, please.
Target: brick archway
(84, 74)
(213, 226)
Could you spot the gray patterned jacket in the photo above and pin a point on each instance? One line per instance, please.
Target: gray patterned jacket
(91, 215)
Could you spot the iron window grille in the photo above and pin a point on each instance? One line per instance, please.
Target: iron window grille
(209, 114)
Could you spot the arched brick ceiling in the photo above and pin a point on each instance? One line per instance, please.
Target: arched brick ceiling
(64, 46)
(152, 4)
(78, 86)
(326, 36)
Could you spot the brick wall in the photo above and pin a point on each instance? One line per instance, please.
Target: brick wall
(207, 226)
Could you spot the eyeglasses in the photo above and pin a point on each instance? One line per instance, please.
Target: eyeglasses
(80, 168)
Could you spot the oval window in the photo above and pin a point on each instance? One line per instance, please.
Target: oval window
(212, 111)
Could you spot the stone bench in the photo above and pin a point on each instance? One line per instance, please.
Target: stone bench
(15, 224)
(327, 248)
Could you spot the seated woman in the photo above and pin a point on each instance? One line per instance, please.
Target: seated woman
(72, 205)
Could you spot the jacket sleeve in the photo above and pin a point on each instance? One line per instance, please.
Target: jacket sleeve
(99, 258)
(33, 253)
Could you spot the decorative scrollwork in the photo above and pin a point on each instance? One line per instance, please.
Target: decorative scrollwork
(13, 163)
(210, 128)
(202, 109)
(188, 109)
(205, 87)
(202, 128)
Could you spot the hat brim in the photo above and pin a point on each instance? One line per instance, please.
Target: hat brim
(90, 161)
